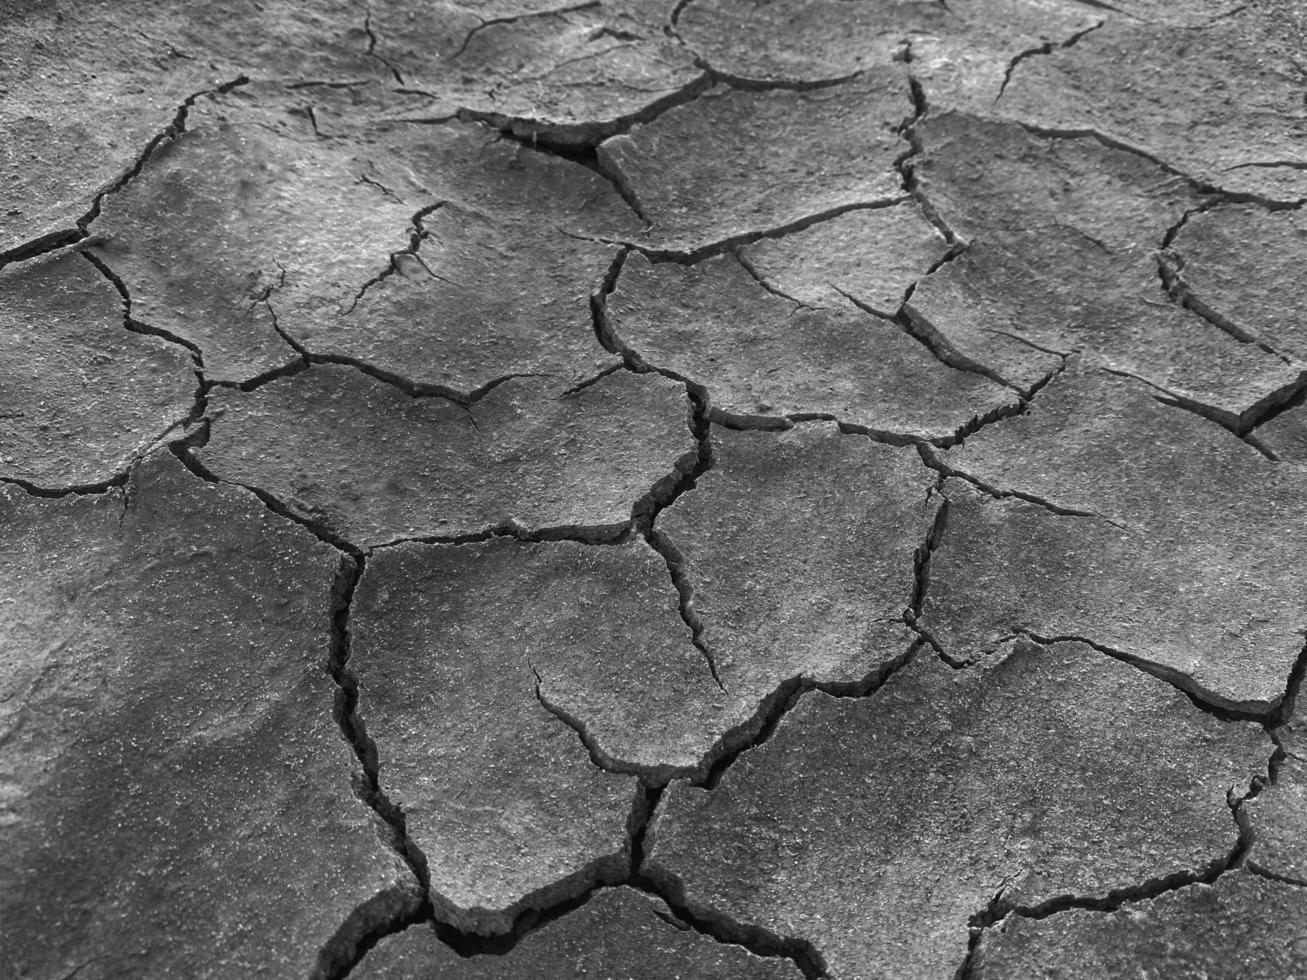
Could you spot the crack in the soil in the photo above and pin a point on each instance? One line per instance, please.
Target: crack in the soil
(81, 226)
(1044, 49)
(371, 52)
(1202, 187)
(692, 256)
(1263, 713)
(417, 235)
(1170, 266)
(513, 19)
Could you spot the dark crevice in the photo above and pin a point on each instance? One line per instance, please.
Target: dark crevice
(726, 930)
(414, 389)
(922, 555)
(756, 730)
(531, 15)
(1284, 713)
(994, 911)
(81, 227)
(665, 547)
(1269, 875)
(1169, 267)
(1240, 425)
(1201, 186)
(593, 534)
(417, 234)
(695, 255)
(758, 277)
(387, 913)
(746, 84)
(199, 436)
(1044, 49)
(372, 49)
(1258, 712)
(557, 136)
(600, 759)
(599, 311)
(932, 459)
(93, 489)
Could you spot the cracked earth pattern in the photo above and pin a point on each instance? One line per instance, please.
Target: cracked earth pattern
(717, 489)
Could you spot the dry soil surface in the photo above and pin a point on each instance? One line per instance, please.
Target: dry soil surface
(632, 489)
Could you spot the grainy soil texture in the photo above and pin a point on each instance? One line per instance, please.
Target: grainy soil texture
(636, 489)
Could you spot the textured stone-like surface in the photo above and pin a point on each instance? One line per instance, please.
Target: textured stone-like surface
(714, 170)
(77, 110)
(375, 464)
(760, 355)
(875, 828)
(960, 51)
(795, 577)
(1062, 234)
(80, 395)
(1242, 265)
(570, 72)
(1243, 927)
(618, 933)
(176, 797)
(1221, 102)
(499, 794)
(597, 626)
(1191, 566)
(1285, 435)
(1279, 814)
(873, 256)
(249, 223)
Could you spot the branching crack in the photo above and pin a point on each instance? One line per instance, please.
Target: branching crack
(417, 234)
(1170, 265)
(82, 225)
(1044, 49)
(372, 49)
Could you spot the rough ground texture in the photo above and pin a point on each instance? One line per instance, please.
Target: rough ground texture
(703, 488)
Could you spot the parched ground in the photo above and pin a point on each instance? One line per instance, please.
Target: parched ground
(740, 489)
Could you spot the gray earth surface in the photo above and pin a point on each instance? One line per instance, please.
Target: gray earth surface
(653, 488)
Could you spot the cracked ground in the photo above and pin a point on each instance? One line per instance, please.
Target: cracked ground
(634, 489)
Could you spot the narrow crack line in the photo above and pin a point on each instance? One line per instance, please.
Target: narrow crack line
(744, 83)
(696, 255)
(928, 336)
(931, 458)
(1294, 164)
(1044, 49)
(558, 137)
(758, 277)
(136, 326)
(1101, 5)
(589, 534)
(599, 758)
(674, 17)
(367, 785)
(1031, 344)
(1201, 186)
(81, 226)
(1257, 712)
(1169, 270)
(925, 551)
(726, 930)
(1240, 426)
(1276, 876)
(372, 48)
(530, 15)
(591, 381)
(1284, 713)
(603, 329)
(758, 729)
(675, 561)
(417, 234)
